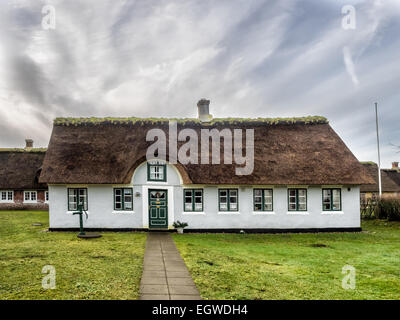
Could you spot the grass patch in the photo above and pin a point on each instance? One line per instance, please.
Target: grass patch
(106, 268)
(295, 266)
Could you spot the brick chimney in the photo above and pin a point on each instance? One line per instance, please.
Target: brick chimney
(28, 144)
(395, 165)
(203, 108)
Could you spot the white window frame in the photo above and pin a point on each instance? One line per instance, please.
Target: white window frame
(7, 199)
(30, 197)
(46, 196)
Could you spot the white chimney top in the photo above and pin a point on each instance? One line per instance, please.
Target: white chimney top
(203, 108)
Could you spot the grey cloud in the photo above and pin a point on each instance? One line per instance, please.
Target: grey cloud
(157, 58)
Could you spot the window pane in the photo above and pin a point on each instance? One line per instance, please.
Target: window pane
(336, 199)
(188, 193)
(268, 207)
(188, 206)
(10, 195)
(257, 207)
(128, 205)
(233, 206)
(223, 206)
(33, 196)
(3, 196)
(27, 196)
(257, 192)
(302, 206)
(292, 192)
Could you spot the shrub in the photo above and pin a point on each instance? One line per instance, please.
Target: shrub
(382, 208)
(177, 224)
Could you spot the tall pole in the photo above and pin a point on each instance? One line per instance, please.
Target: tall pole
(379, 152)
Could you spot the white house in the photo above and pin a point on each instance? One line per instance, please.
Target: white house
(303, 176)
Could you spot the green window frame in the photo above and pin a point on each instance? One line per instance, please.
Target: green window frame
(123, 199)
(156, 172)
(75, 196)
(228, 200)
(193, 200)
(297, 199)
(263, 200)
(331, 199)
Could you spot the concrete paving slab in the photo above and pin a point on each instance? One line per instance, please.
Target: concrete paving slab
(165, 275)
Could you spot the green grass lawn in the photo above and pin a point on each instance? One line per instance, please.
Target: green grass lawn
(288, 266)
(106, 268)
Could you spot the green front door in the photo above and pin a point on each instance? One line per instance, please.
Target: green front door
(158, 208)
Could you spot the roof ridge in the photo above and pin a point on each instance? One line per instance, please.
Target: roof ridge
(131, 120)
(33, 150)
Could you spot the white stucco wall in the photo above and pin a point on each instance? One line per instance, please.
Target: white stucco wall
(102, 215)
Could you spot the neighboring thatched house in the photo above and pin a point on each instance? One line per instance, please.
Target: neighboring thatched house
(390, 182)
(304, 177)
(19, 179)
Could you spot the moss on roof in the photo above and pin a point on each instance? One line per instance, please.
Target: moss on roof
(33, 150)
(133, 120)
(371, 163)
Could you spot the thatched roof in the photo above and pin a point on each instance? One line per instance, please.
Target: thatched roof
(20, 169)
(287, 151)
(390, 179)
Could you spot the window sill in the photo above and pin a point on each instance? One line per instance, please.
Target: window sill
(193, 212)
(228, 212)
(7, 201)
(298, 212)
(263, 212)
(71, 212)
(123, 212)
(332, 212)
(30, 202)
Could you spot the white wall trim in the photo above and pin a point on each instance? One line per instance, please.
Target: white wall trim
(332, 212)
(191, 213)
(71, 212)
(228, 212)
(298, 212)
(123, 212)
(263, 212)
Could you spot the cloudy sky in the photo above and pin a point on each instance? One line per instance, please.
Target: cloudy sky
(272, 58)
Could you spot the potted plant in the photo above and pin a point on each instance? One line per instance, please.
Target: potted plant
(179, 226)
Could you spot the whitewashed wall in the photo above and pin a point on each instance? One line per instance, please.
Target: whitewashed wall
(102, 215)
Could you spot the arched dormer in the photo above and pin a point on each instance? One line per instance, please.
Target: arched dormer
(159, 172)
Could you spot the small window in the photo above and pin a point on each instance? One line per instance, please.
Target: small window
(263, 199)
(123, 199)
(156, 172)
(6, 196)
(297, 199)
(331, 200)
(77, 196)
(46, 196)
(228, 200)
(193, 199)
(30, 196)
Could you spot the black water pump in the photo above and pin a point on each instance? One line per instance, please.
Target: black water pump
(82, 233)
(80, 212)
